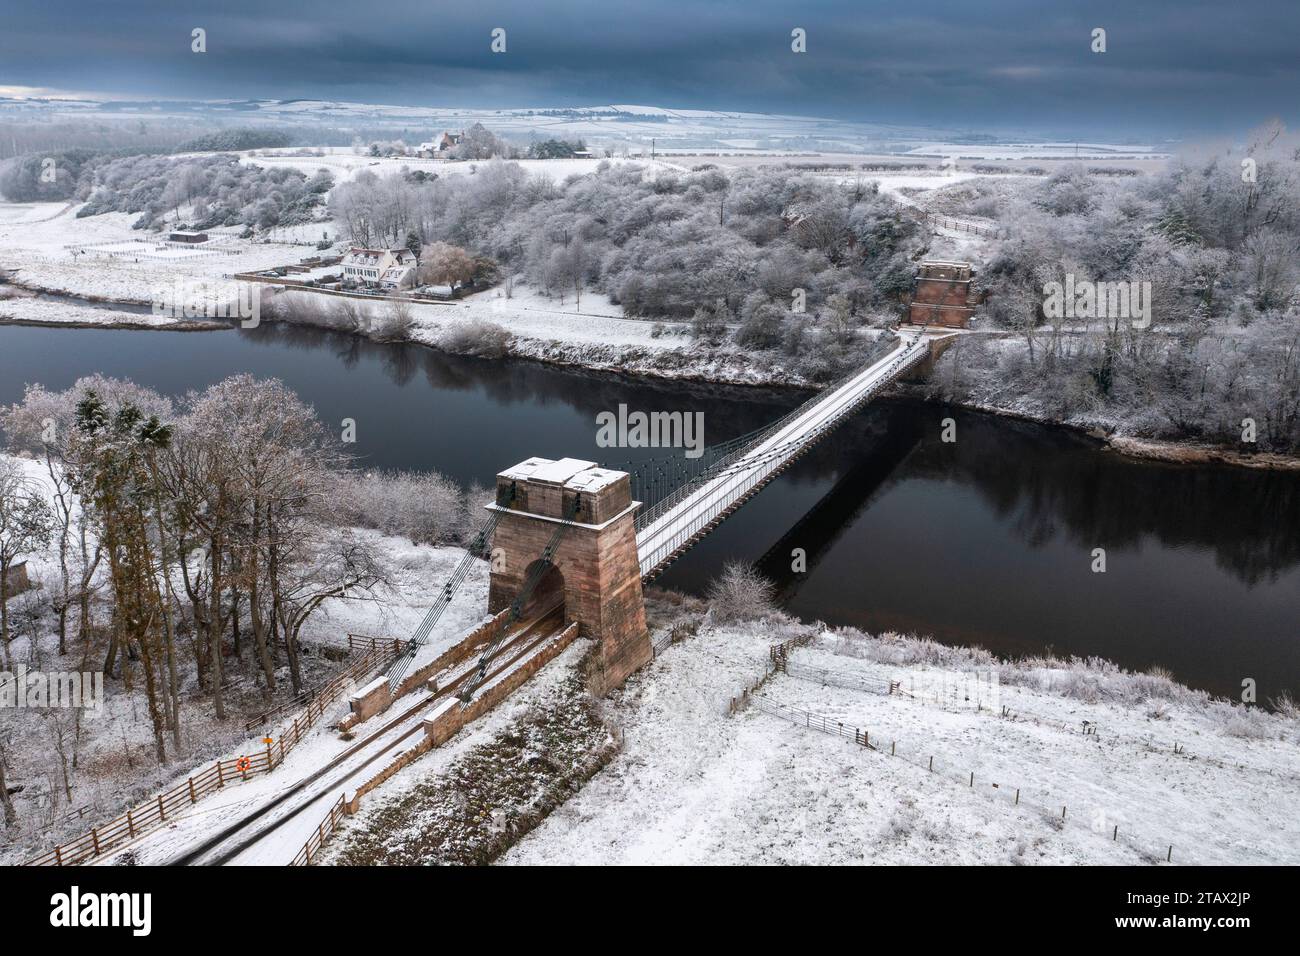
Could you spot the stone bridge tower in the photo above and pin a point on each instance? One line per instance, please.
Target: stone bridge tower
(595, 570)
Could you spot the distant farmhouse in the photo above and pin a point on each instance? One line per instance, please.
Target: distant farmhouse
(440, 146)
(381, 268)
(187, 235)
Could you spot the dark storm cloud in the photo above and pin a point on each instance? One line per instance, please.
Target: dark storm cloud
(1170, 64)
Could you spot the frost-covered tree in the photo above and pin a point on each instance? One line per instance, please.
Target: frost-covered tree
(740, 593)
(26, 526)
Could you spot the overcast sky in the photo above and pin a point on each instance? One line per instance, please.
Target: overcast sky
(1171, 66)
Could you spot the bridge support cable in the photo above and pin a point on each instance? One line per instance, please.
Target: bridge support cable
(476, 549)
(663, 482)
(543, 564)
(673, 523)
(654, 479)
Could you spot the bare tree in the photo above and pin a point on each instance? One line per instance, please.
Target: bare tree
(26, 525)
(6, 799)
(397, 324)
(740, 593)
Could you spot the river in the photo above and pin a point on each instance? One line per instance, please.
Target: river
(987, 540)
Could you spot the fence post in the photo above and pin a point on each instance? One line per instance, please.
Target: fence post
(932, 763)
(1170, 855)
(58, 855)
(130, 824)
(162, 812)
(94, 838)
(1017, 796)
(1062, 813)
(221, 777)
(193, 798)
(1115, 835)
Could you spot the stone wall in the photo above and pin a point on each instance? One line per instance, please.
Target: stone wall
(446, 724)
(456, 654)
(372, 699)
(451, 719)
(16, 581)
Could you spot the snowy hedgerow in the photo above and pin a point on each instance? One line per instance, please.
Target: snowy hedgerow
(476, 337)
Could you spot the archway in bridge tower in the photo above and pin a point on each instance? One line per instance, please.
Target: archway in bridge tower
(549, 592)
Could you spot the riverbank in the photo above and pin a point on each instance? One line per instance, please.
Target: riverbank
(598, 349)
(29, 305)
(1129, 446)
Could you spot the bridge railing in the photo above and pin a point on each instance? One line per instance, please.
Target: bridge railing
(670, 501)
(762, 465)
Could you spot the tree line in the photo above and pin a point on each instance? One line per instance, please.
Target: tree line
(776, 260)
(1217, 237)
(198, 536)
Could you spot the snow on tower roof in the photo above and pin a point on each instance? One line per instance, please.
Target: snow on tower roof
(524, 470)
(593, 479)
(558, 472)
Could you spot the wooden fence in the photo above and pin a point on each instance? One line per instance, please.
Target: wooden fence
(1008, 795)
(373, 651)
(327, 828)
(935, 220)
(158, 810)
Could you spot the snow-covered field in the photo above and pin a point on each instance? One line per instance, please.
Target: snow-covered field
(118, 263)
(344, 164)
(693, 785)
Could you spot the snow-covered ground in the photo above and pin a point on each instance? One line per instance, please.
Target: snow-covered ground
(420, 572)
(541, 691)
(344, 164)
(115, 766)
(114, 262)
(44, 246)
(693, 785)
(531, 314)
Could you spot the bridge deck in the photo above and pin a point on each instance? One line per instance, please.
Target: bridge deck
(735, 481)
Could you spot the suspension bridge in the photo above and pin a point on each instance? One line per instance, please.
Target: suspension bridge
(584, 536)
(571, 543)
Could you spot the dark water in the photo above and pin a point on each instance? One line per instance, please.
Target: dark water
(984, 541)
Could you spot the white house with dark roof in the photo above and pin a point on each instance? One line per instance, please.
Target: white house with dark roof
(437, 147)
(387, 268)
